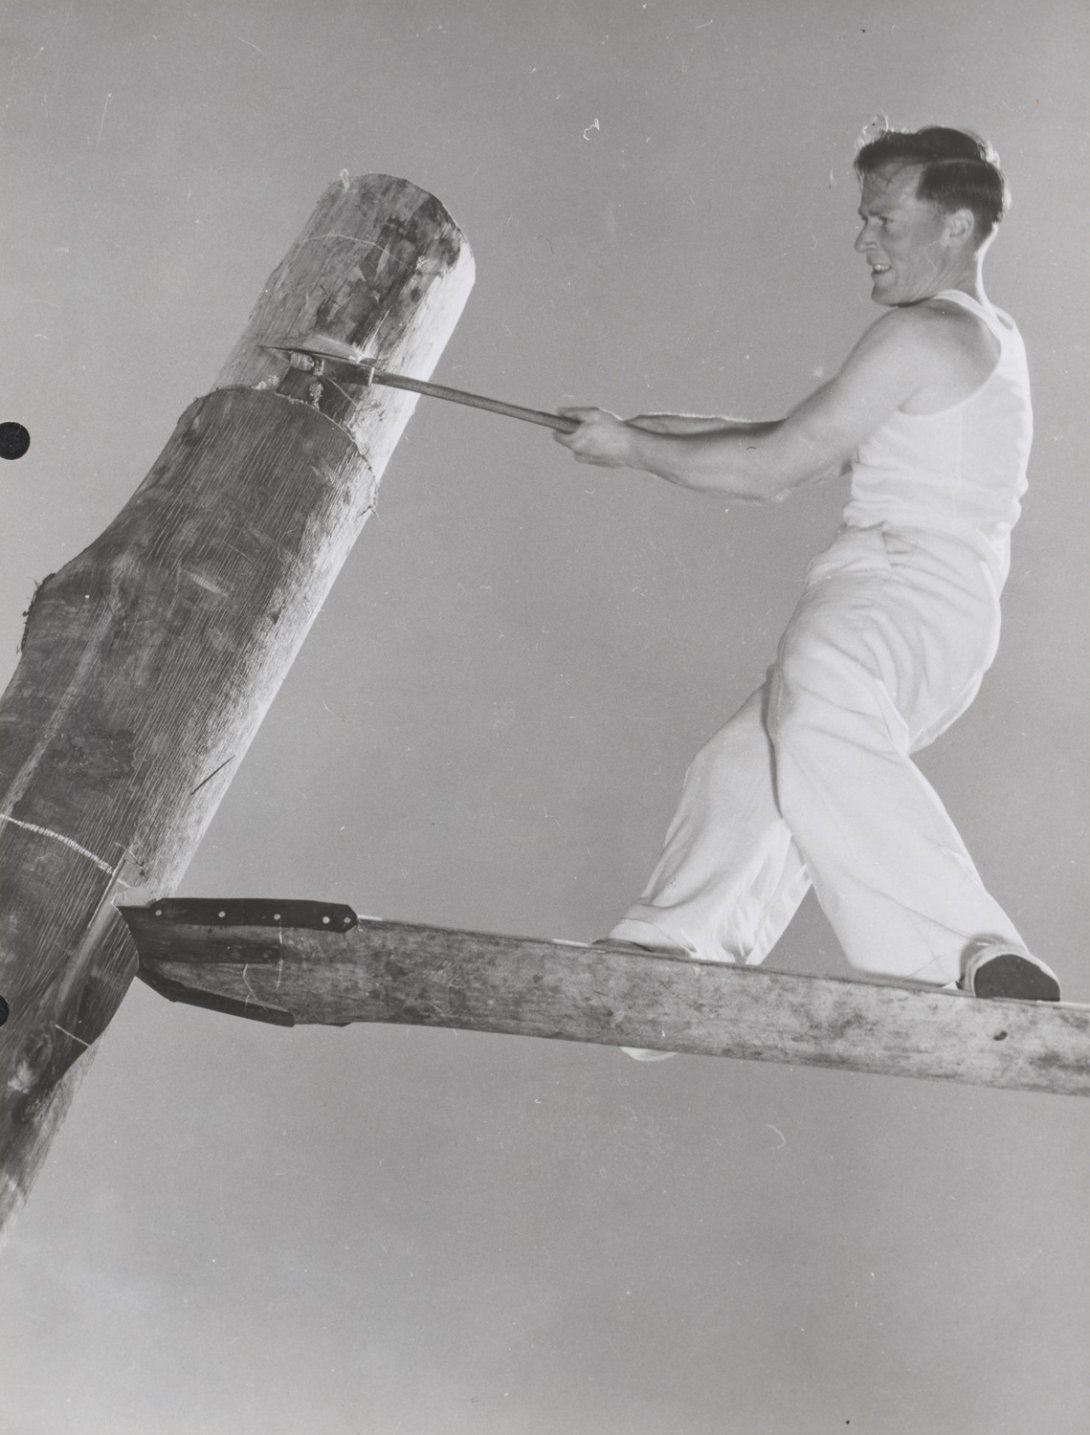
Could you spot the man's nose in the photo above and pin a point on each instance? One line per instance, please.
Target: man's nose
(862, 238)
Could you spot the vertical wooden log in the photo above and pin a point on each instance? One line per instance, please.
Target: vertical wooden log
(150, 659)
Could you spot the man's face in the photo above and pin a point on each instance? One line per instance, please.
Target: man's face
(904, 239)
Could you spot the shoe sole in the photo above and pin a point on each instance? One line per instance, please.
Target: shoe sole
(1013, 977)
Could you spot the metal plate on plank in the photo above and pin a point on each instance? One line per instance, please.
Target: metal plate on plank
(249, 912)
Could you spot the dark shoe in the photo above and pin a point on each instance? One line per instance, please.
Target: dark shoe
(998, 972)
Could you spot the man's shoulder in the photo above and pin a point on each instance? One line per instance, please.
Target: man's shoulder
(936, 333)
(902, 339)
(928, 322)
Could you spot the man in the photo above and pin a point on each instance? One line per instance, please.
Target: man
(812, 781)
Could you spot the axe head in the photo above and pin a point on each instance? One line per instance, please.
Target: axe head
(313, 357)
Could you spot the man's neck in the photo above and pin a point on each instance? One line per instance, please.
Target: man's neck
(970, 281)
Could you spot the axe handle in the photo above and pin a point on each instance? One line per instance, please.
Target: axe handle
(341, 356)
(476, 401)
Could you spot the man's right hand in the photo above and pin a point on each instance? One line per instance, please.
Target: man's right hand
(601, 438)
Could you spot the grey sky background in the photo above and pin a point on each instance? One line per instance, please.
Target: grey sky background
(378, 1230)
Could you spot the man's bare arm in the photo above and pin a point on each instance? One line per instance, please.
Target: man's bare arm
(763, 462)
(694, 424)
(688, 424)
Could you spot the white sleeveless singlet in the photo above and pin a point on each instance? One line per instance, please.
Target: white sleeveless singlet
(961, 471)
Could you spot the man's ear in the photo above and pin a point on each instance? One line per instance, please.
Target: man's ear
(960, 224)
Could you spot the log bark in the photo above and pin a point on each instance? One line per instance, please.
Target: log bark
(150, 659)
(297, 962)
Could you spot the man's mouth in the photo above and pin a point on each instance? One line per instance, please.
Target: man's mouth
(880, 268)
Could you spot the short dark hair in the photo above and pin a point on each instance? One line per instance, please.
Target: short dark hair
(960, 169)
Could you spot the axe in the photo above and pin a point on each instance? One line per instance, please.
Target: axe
(344, 362)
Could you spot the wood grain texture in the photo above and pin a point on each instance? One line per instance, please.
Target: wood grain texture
(379, 971)
(379, 266)
(151, 657)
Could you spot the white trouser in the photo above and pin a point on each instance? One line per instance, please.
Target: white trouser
(812, 782)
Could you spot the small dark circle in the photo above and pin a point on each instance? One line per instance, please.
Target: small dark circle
(14, 440)
(5, 1011)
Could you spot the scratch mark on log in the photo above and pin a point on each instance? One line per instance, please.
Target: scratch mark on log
(343, 392)
(207, 584)
(230, 547)
(212, 774)
(72, 1034)
(246, 982)
(59, 837)
(360, 243)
